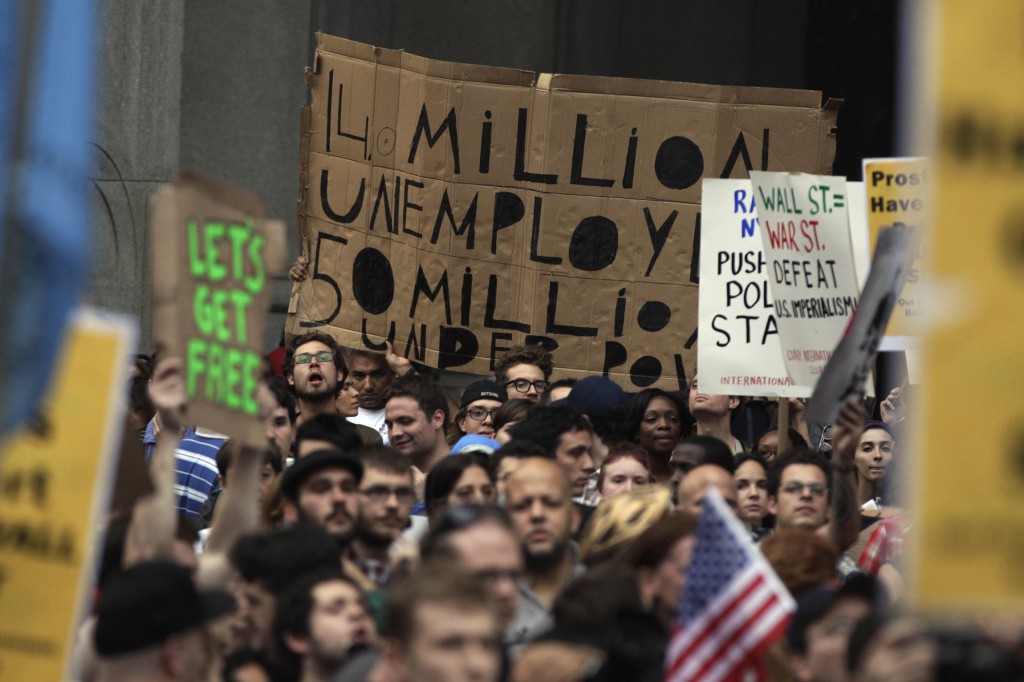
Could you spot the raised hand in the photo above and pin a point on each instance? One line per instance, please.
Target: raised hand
(299, 270)
(167, 391)
(399, 365)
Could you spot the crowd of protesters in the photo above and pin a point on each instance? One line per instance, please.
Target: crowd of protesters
(528, 529)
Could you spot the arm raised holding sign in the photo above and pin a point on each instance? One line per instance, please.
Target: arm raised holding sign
(845, 436)
(154, 521)
(237, 514)
(399, 365)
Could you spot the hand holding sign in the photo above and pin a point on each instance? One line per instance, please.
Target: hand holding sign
(167, 392)
(894, 408)
(399, 365)
(846, 433)
(298, 272)
(213, 258)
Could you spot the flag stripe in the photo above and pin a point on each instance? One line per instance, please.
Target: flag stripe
(742, 644)
(740, 589)
(733, 606)
(694, 640)
(717, 641)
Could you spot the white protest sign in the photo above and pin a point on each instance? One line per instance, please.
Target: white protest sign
(805, 230)
(850, 366)
(738, 349)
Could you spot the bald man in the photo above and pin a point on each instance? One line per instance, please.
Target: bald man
(539, 500)
(695, 482)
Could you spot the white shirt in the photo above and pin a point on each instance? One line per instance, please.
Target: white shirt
(375, 420)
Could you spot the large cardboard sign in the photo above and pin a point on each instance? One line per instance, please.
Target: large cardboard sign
(738, 349)
(969, 477)
(805, 230)
(897, 194)
(54, 484)
(461, 210)
(213, 256)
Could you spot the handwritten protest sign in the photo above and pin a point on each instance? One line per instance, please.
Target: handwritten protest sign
(850, 366)
(461, 210)
(54, 485)
(805, 231)
(738, 350)
(897, 193)
(213, 257)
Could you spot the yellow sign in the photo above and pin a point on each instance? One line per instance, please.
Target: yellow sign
(969, 512)
(54, 486)
(897, 192)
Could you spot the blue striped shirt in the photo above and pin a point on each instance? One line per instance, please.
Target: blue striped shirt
(195, 464)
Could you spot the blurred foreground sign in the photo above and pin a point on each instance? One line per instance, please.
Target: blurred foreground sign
(970, 475)
(47, 93)
(54, 485)
(461, 210)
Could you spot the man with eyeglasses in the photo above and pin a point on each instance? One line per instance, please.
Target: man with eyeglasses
(799, 490)
(524, 371)
(386, 496)
(479, 402)
(314, 368)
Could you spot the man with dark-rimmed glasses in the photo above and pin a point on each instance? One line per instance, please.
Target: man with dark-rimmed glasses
(799, 490)
(479, 402)
(524, 371)
(314, 368)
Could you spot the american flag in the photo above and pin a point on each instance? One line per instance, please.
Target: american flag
(733, 606)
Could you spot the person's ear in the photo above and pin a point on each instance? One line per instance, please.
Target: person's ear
(391, 665)
(438, 421)
(575, 519)
(772, 505)
(734, 402)
(646, 583)
(172, 652)
(290, 512)
(297, 645)
(801, 668)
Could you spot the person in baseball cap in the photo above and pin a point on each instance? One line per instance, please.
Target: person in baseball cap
(151, 624)
(479, 402)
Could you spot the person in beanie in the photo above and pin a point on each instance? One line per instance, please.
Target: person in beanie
(152, 624)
